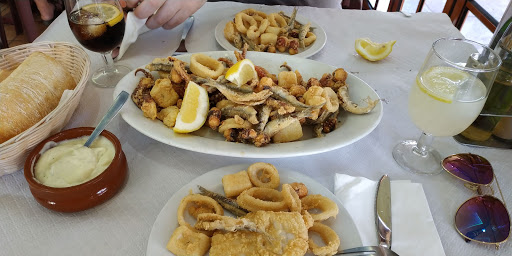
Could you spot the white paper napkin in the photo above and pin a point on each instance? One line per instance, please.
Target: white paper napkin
(414, 231)
(134, 27)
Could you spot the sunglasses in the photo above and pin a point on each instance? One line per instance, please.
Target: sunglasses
(483, 218)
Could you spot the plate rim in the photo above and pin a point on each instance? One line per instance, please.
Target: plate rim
(317, 46)
(239, 149)
(232, 169)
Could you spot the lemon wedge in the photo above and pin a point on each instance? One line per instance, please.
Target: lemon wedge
(194, 109)
(241, 73)
(373, 51)
(441, 83)
(109, 13)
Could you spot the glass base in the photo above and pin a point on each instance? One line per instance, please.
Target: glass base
(110, 78)
(407, 155)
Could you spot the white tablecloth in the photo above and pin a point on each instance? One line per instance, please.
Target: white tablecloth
(121, 226)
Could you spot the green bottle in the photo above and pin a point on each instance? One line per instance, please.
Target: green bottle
(499, 101)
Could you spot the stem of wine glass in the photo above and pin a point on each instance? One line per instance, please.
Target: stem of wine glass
(109, 62)
(424, 143)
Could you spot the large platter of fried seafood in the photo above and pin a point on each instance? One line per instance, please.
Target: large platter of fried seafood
(313, 121)
(287, 226)
(302, 37)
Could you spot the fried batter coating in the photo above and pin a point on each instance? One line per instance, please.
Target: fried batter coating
(282, 43)
(339, 75)
(264, 82)
(236, 183)
(286, 79)
(235, 122)
(213, 119)
(326, 80)
(186, 242)
(230, 31)
(313, 82)
(297, 90)
(268, 39)
(290, 133)
(293, 46)
(168, 115)
(149, 107)
(300, 188)
(163, 93)
(285, 233)
(175, 77)
(329, 237)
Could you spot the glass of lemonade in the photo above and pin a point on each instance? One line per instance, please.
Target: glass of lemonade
(99, 26)
(449, 92)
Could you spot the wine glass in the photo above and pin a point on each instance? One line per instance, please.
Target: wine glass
(450, 90)
(99, 26)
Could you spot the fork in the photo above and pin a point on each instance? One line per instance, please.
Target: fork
(376, 250)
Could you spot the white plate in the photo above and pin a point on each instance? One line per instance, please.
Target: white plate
(167, 219)
(353, 128)
(321, 38)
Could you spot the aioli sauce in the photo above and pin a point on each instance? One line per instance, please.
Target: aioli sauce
(69, 163)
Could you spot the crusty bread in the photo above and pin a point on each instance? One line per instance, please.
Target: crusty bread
(30, 93)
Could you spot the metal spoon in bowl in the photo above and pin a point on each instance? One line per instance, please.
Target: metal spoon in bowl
(111, 113)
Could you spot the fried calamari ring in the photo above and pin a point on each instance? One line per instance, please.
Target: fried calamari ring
(291, 199)
(330, 238)
(198, 201)
(205, 66)
(230, 31)
(252, 12)
(261, 199)
(277, 20)
(310, 38)
(274, 30)
(263, 175)
(254, 32)
(326, 205)
(244, 22)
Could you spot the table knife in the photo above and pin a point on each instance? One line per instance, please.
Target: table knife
(383, 212)
(186, 27)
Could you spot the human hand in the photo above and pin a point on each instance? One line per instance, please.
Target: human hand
(164, 13)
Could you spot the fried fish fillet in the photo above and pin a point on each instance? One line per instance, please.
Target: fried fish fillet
(273, 233)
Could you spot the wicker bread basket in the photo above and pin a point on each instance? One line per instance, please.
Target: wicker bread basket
(14, 151)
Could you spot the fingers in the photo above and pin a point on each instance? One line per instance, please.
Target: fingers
(130, 3)
(147, 8)
(164, 14)
(177, 19)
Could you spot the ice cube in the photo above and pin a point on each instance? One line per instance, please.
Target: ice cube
(94, 31)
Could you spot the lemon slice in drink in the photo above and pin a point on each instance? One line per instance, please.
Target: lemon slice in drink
(373, 51)
(241, 73)
(441, 83)
(194, 109)
(110, 13)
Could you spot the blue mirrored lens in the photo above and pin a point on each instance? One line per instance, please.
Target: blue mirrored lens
(484, 219)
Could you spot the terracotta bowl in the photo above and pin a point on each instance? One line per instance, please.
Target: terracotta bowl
(85, 195)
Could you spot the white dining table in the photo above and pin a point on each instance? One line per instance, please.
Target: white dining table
(121, 226)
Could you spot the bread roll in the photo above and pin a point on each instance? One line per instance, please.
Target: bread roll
(30, 93)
